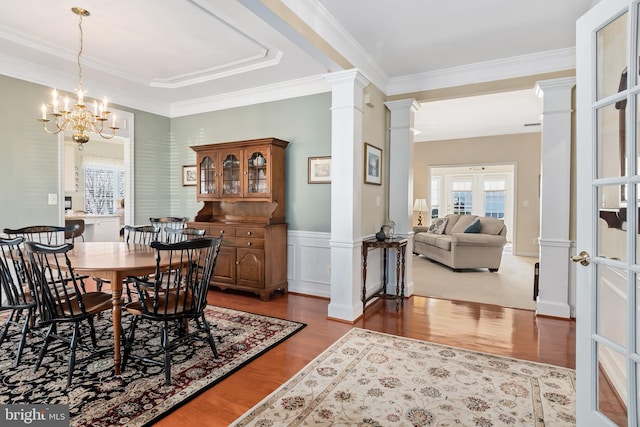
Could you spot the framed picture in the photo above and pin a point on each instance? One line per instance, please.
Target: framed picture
(189, 174)
(372, 164)
(319, 171)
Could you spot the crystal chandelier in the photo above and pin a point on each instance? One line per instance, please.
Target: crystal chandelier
(79, 119)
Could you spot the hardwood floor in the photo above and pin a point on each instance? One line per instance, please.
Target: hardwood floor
(487, 328)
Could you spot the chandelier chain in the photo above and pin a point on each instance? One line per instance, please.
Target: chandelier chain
(82, 118)
(80, 53)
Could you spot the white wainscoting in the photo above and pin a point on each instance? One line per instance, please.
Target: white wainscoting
(309, 264)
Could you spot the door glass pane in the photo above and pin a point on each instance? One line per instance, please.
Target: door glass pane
(610, 151)
(612, 377)
(611, 303)
(257, 172)
(638, 317)
(231, 175)
(612, 227)
(637, 388)
(207, 176)
(612, 56)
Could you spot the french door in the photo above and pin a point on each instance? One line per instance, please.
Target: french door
(608, 187)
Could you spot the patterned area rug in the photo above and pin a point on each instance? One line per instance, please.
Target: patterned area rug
(97, 398)
(372, 379)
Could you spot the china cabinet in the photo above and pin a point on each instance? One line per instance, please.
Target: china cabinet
(242, 185)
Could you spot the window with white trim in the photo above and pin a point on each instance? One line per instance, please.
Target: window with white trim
(103, 184)
(494, 197)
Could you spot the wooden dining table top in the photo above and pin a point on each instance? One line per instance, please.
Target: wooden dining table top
(115, 256)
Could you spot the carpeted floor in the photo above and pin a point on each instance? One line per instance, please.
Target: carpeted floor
(369, 378)
(98, 398)
(511, 286)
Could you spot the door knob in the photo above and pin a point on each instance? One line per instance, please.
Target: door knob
(583, 258)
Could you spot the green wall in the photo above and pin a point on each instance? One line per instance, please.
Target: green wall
(305, 122)
(30, 164)
(29, 169)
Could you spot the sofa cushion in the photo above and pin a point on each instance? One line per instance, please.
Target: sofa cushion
(463, 223)
(474, 227)
(441, 241)
(489, 225)
(438, 226)
(452, 219)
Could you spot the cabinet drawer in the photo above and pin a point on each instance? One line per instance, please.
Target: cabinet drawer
(242, 242)
(226, 231)
(250, 232)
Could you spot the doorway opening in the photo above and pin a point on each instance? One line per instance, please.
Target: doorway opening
(482, 190)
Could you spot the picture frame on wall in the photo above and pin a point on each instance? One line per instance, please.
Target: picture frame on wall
(319, 170)
(372, 164)
(189, 175)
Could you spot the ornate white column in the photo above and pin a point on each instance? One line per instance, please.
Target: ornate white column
(347, 169)
(555, 246)
(401, 181)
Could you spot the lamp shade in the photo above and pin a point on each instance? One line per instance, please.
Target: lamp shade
(420, 205)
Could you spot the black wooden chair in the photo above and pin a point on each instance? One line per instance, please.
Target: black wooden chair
(192, 261)
(62, 306)
(167, 222)
(175, 235)
(142, 234)
(15, 295)
(78, 232)
(47, 234)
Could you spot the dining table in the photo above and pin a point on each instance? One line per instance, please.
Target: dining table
(113, 261)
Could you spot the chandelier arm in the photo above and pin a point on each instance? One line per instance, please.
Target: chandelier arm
(44, 126)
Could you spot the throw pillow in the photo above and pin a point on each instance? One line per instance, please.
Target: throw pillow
(438, 226)
(474, 227)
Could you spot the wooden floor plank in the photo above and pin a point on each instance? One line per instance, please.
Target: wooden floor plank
(486, 328)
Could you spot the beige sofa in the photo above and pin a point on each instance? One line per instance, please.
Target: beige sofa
(459, 250)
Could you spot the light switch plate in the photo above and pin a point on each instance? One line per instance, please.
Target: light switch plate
(53, 199)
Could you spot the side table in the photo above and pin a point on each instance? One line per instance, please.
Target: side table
(400, 245)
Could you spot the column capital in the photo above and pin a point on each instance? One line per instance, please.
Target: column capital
(403, 104)
(352, 75)
(555, 94)
(565, 83)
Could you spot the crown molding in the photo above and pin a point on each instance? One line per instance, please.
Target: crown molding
(275, 92)
(501, 69)
(322, 22)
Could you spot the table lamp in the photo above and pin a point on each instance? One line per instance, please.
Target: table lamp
(420, 205)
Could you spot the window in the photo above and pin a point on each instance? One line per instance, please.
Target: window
(494, 197)
(462, 197)
(104, 185)
(435, 197)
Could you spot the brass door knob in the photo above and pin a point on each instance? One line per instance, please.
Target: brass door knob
(583, 258)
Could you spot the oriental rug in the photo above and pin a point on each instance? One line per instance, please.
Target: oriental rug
(369, 378)
(139, 397)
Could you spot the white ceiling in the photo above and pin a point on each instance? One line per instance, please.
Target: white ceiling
(178, 57)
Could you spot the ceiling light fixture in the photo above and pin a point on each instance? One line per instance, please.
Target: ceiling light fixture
(79, 119)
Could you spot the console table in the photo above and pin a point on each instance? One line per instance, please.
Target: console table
(400, 245)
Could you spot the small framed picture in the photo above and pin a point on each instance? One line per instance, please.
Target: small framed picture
(189, 174)
(372, 164)
(319, 171)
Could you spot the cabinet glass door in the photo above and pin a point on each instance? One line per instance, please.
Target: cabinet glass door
(257, 168)
(207, 185)
(231, 175)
